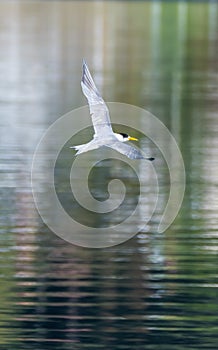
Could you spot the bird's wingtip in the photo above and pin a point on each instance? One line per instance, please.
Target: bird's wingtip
(84, 63)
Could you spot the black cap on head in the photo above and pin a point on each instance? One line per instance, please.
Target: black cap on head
(124, 135)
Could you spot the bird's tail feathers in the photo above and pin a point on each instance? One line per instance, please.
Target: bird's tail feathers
(78, 148)
(85, 147)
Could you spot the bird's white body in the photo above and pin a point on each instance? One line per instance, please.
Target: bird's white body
(96, 143)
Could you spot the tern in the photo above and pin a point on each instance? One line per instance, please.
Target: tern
(103, 132)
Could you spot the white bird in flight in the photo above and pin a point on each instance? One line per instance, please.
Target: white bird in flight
(104, 135)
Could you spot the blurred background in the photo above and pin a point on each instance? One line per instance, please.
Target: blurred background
(156, 291)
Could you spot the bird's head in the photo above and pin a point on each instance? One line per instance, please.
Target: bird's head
(125, 137)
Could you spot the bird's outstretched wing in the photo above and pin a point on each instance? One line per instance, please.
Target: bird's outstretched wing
(98, 109)
(127, 150)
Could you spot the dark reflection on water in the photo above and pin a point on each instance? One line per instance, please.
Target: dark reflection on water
(156, 291)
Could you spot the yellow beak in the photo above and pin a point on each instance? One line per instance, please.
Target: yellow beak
(132, 138)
